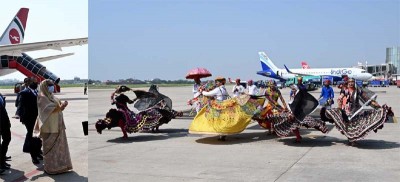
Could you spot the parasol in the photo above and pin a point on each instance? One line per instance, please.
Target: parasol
(198, 73)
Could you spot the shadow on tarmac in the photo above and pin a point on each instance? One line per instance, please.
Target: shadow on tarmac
(323, 141)
(376, 144)
(167, 134)
(308, 140)
(311, 141)
(6, 175)
(237, 138)
(68, 176)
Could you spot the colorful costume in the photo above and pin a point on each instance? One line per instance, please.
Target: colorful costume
(154, 109)
(225, 117)
(197, 102)
(351, 120)
(272, 108)
(286, 122)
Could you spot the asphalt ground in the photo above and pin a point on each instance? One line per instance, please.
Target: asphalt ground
(174, 155)
(22, 168)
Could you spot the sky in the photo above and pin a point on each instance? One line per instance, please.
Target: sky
(52, 20)
(165, 39)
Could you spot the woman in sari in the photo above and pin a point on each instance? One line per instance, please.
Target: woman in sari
(56, 157)
(350, 118)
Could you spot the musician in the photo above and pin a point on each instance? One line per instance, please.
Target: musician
(327, 95)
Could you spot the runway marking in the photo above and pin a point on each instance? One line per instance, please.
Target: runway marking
(293, 164)
(28, 175)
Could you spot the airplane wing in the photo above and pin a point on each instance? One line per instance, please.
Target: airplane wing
(17, 49)
(298, 74)
(48, 58)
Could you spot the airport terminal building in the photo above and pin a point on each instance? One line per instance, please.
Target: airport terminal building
(393, 57)
(389, 68)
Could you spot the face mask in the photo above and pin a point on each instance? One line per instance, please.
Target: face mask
(33, 86)
(51, 89)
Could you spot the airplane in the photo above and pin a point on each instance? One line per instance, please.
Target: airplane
(13, 56)
(304, 65)
(270, 70)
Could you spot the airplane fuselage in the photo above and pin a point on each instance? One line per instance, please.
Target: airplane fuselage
(356, 73)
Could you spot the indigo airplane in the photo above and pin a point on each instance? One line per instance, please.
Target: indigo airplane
(270, 70)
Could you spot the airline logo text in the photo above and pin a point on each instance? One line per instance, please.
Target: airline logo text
(341, 72)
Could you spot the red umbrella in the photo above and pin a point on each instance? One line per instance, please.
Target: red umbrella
(198, 73)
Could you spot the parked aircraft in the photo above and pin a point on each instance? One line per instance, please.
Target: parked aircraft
(12, 50)
(269, 69)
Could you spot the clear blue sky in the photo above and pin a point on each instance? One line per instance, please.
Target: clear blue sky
(52, 20)
(164, 39)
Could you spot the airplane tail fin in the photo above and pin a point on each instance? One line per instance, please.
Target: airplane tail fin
(304, 65)
(266, 63)
(15, 32)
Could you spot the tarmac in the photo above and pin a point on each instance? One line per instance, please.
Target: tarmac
(22, 168)
(174, 155)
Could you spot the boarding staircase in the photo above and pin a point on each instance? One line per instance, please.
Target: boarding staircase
(30, 68)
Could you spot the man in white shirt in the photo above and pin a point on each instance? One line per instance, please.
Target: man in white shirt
(252, 89)
(237, 89)
(219, 92)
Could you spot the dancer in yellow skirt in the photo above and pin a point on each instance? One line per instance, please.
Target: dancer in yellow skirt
(224, 117)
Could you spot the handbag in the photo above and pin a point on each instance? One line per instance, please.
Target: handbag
(35, 143)
(32, 145)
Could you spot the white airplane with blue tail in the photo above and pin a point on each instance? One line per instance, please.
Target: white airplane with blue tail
(269, 69)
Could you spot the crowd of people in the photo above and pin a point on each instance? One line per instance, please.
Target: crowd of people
(41, 114)
(220, 114)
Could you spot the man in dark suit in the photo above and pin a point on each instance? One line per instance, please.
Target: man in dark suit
(5, 126)
(28, 114)
(23, 87)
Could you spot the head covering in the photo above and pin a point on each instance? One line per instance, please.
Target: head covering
(44, 88)
(121, 88)
(271, 83)
(249, 81)
(220, 79)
